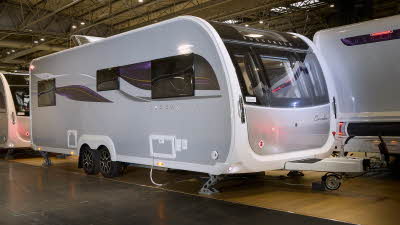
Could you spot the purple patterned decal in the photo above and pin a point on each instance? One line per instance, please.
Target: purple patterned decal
(371, 38)
(80, 93)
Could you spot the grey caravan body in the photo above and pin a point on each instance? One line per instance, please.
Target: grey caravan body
(175, 94)
(364, 59)
(14, 111)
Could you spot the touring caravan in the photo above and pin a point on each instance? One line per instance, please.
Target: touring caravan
(14, 111)
(187, 94)
(364, 59)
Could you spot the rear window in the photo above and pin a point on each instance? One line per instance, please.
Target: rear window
(47, 93)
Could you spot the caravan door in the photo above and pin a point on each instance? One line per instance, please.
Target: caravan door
(3, 114)
(286, 98)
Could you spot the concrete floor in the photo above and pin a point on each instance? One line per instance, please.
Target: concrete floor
(373, 199)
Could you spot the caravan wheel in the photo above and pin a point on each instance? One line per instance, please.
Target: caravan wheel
(331, 182)
(90, 161)
(108, 168)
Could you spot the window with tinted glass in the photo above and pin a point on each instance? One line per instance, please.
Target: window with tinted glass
(172, 77)
(47, 93)
(107, 79)
(205, 78)
(138, 74)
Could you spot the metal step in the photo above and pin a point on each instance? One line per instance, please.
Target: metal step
(334, 164)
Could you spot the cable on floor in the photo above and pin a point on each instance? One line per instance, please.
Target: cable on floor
(151, 175)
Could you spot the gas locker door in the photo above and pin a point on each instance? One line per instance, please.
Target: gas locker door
(286, 101)
(3, 114)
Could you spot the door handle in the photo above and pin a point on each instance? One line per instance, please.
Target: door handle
(13, 118)
(241, 110)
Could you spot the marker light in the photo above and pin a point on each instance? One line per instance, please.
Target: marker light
(341, 129)
(39, 149)
(160, 164)
(31, 67)
(381, 33)
(72, 153)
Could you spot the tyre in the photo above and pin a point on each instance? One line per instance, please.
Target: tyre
(331, 182)
(109, 168)
(90, 161)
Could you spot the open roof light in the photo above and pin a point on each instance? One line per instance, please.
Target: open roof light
(231, 21)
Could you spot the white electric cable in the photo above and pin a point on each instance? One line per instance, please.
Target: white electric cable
(151, 175)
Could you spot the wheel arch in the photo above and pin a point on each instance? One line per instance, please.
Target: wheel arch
(95, 141)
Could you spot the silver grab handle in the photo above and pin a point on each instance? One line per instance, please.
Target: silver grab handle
(241, 110)
(13, 118)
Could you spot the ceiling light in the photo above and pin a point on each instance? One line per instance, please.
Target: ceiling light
(332, 5)
(304, 4)
(12, 50)
(279, 9)
(15, 71)
(8, 53)
(73, 26)
(231, 21)
(246, 25)
(42, 39)
(261, 22)
(254, 35)
(140, 1)
(35, 41)
(83, 23)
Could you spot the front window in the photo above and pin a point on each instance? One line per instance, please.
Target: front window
(279, 78)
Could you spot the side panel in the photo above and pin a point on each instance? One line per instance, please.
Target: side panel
(3, 114)
(366, 74)
(200, 124)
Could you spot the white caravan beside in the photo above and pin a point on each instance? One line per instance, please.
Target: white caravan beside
(364, 62)
(14, 111)
(187, 94)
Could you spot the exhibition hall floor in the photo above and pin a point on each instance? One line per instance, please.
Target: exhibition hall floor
(63, 194)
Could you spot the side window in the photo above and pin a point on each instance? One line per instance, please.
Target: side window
(205, 78)
(317, 79)
(107, 79)
(172, 77)
(138, 74)
(289, 82)
(246, 78)
(47, 93)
